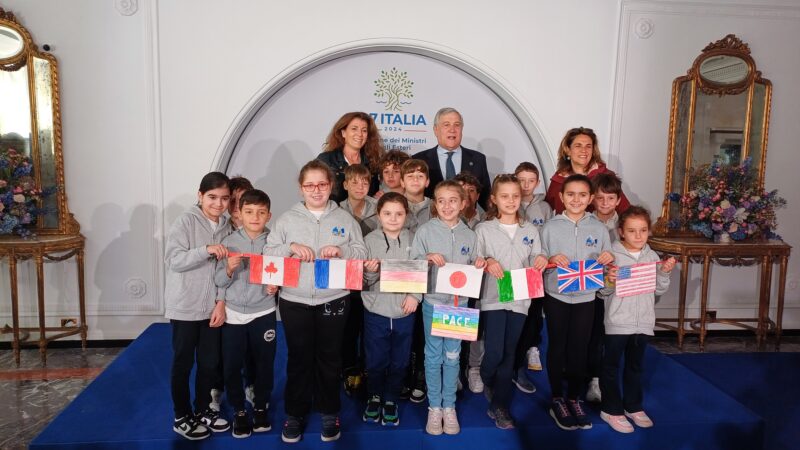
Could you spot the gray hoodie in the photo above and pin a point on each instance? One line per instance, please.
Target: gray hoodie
(190, 291)
(585, 239)
(456, 244)
(537, 211)
(420, 213)
(611, 225)
(635, 314)
(237, 291)
(386, 304)
(298, 225)
(517, 253)
(369, 217)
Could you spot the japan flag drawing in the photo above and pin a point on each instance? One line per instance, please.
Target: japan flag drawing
(274, 270)
(459, 279)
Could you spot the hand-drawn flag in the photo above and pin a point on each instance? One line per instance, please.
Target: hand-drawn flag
(636, 279)
(339, 274)
(454, 322)
(520, 284)
(274, 270)
(404, 276)
(459, 279)
(580, 276)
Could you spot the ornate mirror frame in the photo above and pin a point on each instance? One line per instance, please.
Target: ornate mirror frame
(45, 124)
(692, 88)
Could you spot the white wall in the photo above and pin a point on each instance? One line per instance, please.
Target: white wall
(147, 99)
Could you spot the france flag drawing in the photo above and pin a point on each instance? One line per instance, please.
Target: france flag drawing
(338, 274)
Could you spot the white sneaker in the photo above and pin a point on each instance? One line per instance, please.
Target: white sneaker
(216, 398)
(434, 425)
(593, 394)
(474, 380)
(250, 395)
(534, 359)
(451, 421)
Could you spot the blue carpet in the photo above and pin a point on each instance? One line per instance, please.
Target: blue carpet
(129, 406)
(764, 382)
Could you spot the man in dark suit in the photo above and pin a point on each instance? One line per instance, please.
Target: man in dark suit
(449, 158)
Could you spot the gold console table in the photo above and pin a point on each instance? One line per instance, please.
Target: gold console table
(51, 248)
(742, 253)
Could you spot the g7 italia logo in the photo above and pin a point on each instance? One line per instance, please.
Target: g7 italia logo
(392, 87)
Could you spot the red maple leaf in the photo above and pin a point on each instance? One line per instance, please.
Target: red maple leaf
(271, 269)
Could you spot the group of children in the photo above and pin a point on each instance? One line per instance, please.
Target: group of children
(230, 324)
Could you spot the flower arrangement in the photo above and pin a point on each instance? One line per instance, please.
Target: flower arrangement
(19, 196)
(726, 202)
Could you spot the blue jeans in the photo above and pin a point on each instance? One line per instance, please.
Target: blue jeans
(387, 345)
(441, 364)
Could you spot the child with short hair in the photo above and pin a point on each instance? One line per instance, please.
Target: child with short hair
(388, 317)
(249, 312)
(534, 208)
(391, 179)
(239, 185)
(362, 207)
(505, 242)
(414, 180)
(473, 213)
(445, 238)
(571, 236)
(193, 246)
(629, 321)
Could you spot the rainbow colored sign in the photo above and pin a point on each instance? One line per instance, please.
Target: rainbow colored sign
(455, 322)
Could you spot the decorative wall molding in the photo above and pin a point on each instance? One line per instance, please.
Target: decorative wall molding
(135, 288)
(127, 7)
(644, 28)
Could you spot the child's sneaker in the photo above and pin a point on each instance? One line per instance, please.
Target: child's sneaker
(390, 415)
(617, 423)
(213, 421)
(250, 395)
(293, 429)
(405, 393)
(373, 411)
(451, 421)
(190, 428)
(434, 425)
(418, 394)
(216, 399)
(474, 380)
(640, 419)
(522, 382)
(352, 381)
(581, 418)
(331, 430)
(593, 392)
(502, 418)
(560, 413)
(261, 421)
(241, 425)
(534, 359)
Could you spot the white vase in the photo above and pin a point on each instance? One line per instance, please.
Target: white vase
(723, 238)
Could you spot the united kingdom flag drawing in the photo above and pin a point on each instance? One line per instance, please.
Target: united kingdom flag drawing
(580, 276)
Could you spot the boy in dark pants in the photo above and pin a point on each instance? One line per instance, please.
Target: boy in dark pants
(249, 316)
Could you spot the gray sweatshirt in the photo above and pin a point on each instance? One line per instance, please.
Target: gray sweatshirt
(635, 314)
(369, 216)
(537, 211)
(380, 246)
(517, 253)
(237, 291)
(190, 291)
(611, 224)
(420, 214)
(298, 225)
(585, 239)
(456, 244)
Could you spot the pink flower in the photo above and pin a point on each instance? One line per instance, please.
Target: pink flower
(19, 198)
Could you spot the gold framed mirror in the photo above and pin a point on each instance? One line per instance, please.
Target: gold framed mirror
(30, 120)
(719, 112)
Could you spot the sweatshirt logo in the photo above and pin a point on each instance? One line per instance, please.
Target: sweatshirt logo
(337, 231)
(269, 335)
(527, 241)
(591, 241)
(465, 250)
(537, 222)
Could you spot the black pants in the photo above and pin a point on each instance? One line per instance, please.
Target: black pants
(569, 327)
(595, 361)
(500, 340)
(531, 332)
(259, 338)
(633, 347)
(353, 340)
(416, 367)
(190, 338)
(314, 343)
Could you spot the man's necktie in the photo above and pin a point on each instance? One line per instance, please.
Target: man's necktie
(450, 167)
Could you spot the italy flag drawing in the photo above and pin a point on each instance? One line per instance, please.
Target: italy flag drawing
(520, 284)
(274, 270)
(338, 274)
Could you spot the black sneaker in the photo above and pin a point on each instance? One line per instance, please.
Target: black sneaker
(331, 429)
(293, 429)
(581, 418)
(260, 421)
(188, 427)
(560, 413)
(390, 414)
(241, 425)
(373, 411)
(405, 393)
(418, 394)
(213, 421)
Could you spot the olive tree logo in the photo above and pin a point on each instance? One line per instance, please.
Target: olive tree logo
(391, 87)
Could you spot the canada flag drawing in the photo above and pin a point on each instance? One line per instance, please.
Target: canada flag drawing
(274, 270)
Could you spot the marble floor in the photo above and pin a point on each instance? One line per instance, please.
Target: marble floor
(33, 395)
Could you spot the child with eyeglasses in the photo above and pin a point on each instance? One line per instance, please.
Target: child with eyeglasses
(314, 319)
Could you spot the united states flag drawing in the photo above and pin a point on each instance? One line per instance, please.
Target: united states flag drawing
(636, 279)
(580, 276)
